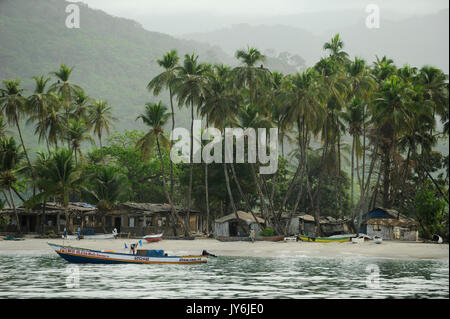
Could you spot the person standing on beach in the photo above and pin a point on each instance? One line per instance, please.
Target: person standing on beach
(65, 233)
(252, 235)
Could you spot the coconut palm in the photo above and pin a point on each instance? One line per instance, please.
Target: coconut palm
(250, 75)
(77, 133)
(10, 158)
(100, 119)
(58, 176)
(166, 79)
(335, 47)
(190, 87)
(65, 89)
(155, 117)
(12, 106)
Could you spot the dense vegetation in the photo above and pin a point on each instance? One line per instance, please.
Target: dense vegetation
(390, 112)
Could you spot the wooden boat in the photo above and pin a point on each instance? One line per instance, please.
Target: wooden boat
(274, 238)
(90, 237)
(153, 238)
(378, 240)
(325, 239)
(88, 256)
(358, 240)
(231, 239)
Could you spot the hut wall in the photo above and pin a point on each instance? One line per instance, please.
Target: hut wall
(408, 234)
(221, 229)
(309, 229)
(385, 232)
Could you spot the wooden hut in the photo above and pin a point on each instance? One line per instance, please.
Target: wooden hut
(389, 224)
(231, 226)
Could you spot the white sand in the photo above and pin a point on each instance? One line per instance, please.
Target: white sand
(388, 249)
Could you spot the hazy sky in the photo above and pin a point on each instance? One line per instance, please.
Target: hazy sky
(185, 16)
(260, 7)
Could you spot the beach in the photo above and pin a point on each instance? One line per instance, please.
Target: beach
(388, 249)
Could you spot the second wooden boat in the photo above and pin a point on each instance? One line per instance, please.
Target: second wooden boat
(325, 239)
(153, 238)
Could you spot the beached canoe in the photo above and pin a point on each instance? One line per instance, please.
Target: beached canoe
(325, 239)
(90, 237)
(88, 256)
(231, 239)
(153, 238)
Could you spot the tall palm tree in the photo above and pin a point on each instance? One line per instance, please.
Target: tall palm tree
(155, 117)
(335, 47)
(64, 88)
(101, 118)
(166, 80)
(391, 113)
(12, 106)
(39, 106)
(250, 75)
(10, 158)
(190, 87)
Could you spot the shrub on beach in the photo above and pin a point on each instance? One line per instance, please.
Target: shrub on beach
(268, 232)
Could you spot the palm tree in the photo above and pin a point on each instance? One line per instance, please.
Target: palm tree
(78, 132)
(10, 158)
(106, 188)
(169, 63)
(12, 105)
(64, 88)
(335, 47)
(155, 117)
(250, 75)
(39, 105)
(58, 176)
(101, 118)
(190, 87)
(391, 113)
(3, 128)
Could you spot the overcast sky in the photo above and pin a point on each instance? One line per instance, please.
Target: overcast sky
(260, 7)
(183, 16)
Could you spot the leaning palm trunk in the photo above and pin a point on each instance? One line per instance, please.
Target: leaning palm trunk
(171, 142)
(247, 204)
(174, 214)
(191, 165)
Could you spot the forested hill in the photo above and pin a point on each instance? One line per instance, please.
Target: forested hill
(114, 58)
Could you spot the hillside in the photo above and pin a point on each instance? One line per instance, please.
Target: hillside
(114, 58)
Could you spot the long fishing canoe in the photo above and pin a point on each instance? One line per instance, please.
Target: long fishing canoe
(325, 239)
(88, 256)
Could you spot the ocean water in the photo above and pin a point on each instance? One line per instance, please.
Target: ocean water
(44, 275)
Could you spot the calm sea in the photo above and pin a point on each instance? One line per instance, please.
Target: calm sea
(44, 275)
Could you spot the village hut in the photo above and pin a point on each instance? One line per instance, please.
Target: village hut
(49, 217)
(231, 226)
(389, 224)
(140, 219)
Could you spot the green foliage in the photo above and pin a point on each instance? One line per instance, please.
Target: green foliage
(431, 212)
(267, 232)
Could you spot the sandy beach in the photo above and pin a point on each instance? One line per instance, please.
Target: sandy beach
(388, 249)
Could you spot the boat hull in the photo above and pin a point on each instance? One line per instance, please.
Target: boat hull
(90, 237)
(325, 240)
(153, 238)
(87, 256)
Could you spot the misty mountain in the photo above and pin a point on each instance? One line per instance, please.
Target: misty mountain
(418, 41)
(113, 58)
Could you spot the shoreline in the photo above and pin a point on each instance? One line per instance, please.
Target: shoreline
(388, 249)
